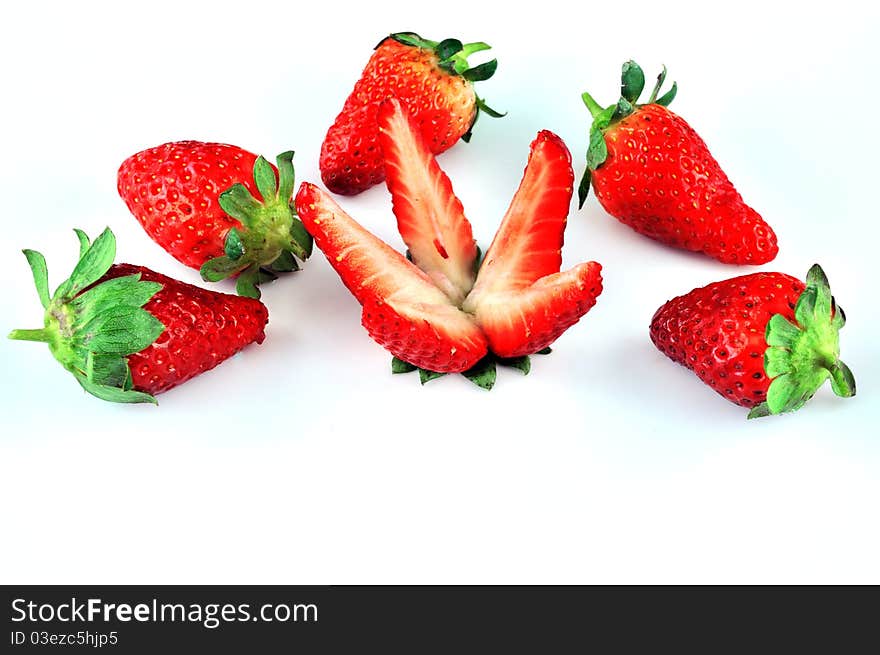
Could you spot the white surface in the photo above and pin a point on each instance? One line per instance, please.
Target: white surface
(304, 460)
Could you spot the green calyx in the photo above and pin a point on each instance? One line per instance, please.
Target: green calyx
(452, 55)
(482, 374)
(91, 329)
(632, 83)
(271, 237)
(800, 356)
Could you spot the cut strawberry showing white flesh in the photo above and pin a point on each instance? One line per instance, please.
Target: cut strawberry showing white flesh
(520, 299)
(434, 312)
(403, 310)
(430, 217)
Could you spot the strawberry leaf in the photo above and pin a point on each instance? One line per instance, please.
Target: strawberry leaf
(597, 153)
(233, 247)
(669, 96)
(246, 284)
(264, 178)
(238, 202)
(584, 187)
(220, 268)
(114, 394)
(660, 79)
(492, 113)
(799, 358)
(447, 48)
(482, 72)
(411, 39)
(84, 242)
(594, 107)
(622, 109)
(523, 363)
(777, 361)
(107, 370)
(780, 332)
(482, 373)
(41, 274)
(842, 381)
(399, 366)
(632, 81)
(426, 376)
(128, 291)
(96, 261)
(286, 175)
(285, 263)
(121, 330)
(759, 411)
(300, 240)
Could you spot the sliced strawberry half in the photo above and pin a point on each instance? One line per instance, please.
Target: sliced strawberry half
(528, 245)
(403, 309)
(430, 218)
(520, 299)
(524, 321)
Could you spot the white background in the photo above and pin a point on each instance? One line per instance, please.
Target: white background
(303, 460)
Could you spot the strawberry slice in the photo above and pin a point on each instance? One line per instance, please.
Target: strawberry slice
(523, 322)
(430, 218)
(521, 300)
(403, 310)
(528, 245)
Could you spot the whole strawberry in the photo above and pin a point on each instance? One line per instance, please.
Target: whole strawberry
(432, 80)
(127, 333)
(765, 340)
(198, 201)
(653, 172)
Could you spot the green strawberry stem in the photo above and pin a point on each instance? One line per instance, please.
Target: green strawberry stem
(800, 356)
(44, 335)
(271, 235)
(91, 329)
(453, 58)
(632, 83)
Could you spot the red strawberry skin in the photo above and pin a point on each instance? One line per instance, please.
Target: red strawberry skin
(202, 328)
(718, 331)
(661, 180)
(402, 308)
(443, 105)
(172, 190)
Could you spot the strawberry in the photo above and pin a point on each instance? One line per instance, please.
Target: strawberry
(434, 312)
(440, 240)
(766, 340)
(520, 299)
(127, 333)
(432, 80)
(197, 200)
(402, 309)
(653, 172)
